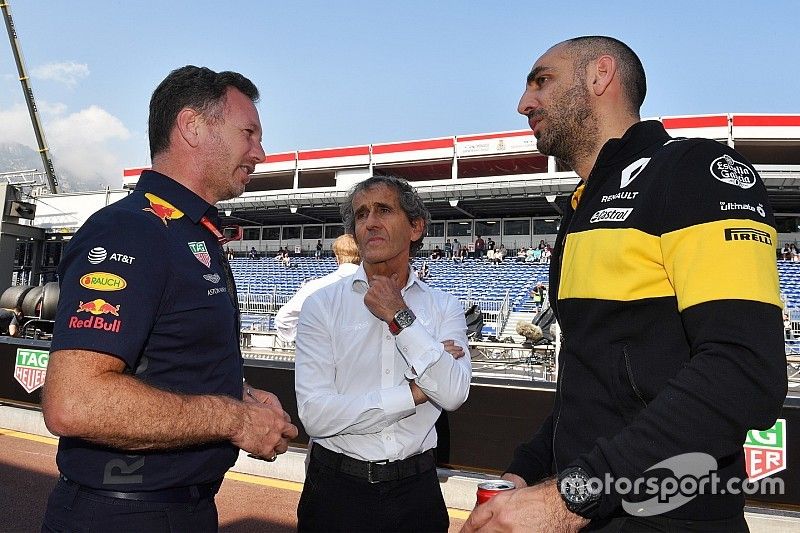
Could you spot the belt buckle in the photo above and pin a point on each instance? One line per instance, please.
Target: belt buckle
(369, 470)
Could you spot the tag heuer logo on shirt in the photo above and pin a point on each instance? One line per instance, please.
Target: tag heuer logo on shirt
(765, 451)
(728, 170)
(213, 278)
(200, 252)
(612, 214)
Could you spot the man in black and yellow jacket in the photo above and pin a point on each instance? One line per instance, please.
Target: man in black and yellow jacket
(665, 285)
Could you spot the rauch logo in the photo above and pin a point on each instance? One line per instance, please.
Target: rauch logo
(31, 368)
(103, 281)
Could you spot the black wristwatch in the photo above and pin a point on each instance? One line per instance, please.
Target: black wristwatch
(402, 319)
(580, 497)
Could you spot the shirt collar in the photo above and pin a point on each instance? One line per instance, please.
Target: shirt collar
(360, 283)
(173, 192)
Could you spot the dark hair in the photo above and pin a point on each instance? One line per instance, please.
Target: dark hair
(199, 88)
(409, 200)
(632, 77)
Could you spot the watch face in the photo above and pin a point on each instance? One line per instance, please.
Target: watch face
(575, 487)
(404, 318)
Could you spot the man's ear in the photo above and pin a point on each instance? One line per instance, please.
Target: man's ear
(603, 72)
(188, 124)
(417, 225)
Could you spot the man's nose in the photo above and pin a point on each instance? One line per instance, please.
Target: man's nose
(527, 103)
(259, 155)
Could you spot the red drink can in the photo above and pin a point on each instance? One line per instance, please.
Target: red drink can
(491, 488)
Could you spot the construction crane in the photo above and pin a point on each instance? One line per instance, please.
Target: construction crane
(38, 130)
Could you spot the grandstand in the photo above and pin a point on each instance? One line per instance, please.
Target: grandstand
(264, 285)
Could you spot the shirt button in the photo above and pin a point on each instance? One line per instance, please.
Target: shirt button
(387, 370)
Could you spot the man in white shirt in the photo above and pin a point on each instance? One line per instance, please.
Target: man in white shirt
(346, 252)
(379, 355)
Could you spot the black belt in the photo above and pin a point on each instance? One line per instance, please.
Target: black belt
(191, 493)
(374, 471)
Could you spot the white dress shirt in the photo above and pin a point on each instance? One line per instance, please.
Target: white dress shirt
(352, 375)
(289, 313)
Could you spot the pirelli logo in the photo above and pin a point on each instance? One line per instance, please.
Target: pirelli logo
(747, 234)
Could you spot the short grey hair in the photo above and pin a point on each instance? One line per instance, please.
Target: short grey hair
(410, 202)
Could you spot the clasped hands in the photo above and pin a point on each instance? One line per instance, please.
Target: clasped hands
(267, 428)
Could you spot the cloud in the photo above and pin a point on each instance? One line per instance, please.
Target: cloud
(66, 72)
(84, 144)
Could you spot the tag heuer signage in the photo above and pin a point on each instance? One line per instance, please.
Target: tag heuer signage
(765, 451)
(31, 368)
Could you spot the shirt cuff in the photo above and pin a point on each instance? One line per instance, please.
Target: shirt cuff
(419, 348)
(398, 402)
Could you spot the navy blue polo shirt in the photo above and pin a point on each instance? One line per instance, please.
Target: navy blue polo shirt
(143, 280)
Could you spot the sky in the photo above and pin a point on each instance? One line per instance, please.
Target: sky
(353, 72)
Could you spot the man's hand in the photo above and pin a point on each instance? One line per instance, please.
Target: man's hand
(267, 428)
(383, 298)
(453, 349)
(536, 508)
(515, 479)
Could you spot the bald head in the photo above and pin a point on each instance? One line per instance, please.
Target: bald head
(586, 49)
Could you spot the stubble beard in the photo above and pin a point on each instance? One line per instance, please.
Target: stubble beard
(572, 131)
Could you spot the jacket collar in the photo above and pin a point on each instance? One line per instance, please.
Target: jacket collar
(637, 139)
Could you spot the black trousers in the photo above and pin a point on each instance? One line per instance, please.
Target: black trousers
(70, 510)
(333, 501)
(660, 524)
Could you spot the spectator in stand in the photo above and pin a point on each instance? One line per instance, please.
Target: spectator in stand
(538, 295)
(542, 245)
(489, 244)
(463, 253)
(500, 253)
(436, 254)
(547, 253)
(424, 271)
(448, 249)
(318, 251)
(490, 256)
(786, 255)
(530, 255)
(229, 254)
(793, 255)
(11, 321)
(480, 247)
(346, 252)
(286, 260)
(456, 250)
(522, 254)
(253, 253)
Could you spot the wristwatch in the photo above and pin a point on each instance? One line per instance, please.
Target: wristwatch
(580, 497)
(402, 319)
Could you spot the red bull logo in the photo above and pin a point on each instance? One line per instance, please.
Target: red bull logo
(95, 322)
(98, 307)
(162, 209)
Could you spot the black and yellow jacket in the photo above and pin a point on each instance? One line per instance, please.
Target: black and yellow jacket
(665, 286)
